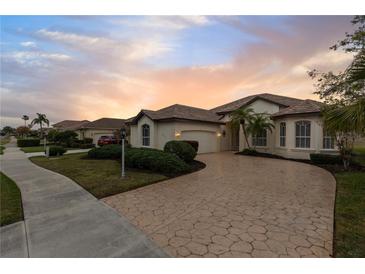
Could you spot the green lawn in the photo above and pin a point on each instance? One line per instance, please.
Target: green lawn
(2, 149)
(100, 177)
(4, 141)
(349, 239)
(37, 149)
(359, 155)
(11, 201)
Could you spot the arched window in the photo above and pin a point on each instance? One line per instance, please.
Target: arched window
(303, 134)
(146, 135)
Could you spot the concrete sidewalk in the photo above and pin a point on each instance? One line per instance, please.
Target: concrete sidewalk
(64, 220)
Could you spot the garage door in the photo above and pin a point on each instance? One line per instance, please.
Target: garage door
(207, 140)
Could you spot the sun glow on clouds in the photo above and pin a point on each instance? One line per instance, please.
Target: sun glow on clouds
(114, 66)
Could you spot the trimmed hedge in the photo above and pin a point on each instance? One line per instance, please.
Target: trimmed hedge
(87, 145)
(326, 159)
(28, 142)
(56, 150)
(155, 160)
(181, 149)
(194, 144)
(88, 140)
(106, 152)
(143, 158)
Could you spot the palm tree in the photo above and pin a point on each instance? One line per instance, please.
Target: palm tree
(345, 123)
(25, 118)
(260, 122)
(41, 118)
(242, 116)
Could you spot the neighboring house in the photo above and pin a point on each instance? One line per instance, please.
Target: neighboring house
(298, 127)
(100, 127)
(70, 125)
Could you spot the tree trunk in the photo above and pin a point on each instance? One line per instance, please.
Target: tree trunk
(41, 129)
(245, 134)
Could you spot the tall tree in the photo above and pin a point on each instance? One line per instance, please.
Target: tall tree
(260, 122)
(40, 120)
(344, 93)
(242, 116)
(25, 118)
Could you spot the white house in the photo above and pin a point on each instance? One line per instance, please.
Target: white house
(298, 127)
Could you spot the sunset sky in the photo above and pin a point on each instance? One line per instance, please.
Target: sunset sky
(103, 66)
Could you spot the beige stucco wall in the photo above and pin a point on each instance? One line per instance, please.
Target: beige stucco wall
(162, 132)
(316, 144)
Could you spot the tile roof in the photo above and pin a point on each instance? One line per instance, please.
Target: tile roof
(70, 124)
(277, 99)
(304, 107)
(181, 112)
(105, 123)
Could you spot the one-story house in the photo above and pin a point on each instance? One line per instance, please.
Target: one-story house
(298, 127)
(94, 129)
(100, 127)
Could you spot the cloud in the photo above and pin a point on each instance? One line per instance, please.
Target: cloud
(83, 75)
(165, 23)
(133, 50)
(29, 44)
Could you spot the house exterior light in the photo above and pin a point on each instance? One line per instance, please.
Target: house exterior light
(219, 134)
(177, 134)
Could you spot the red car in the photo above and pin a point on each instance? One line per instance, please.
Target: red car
(107, 140)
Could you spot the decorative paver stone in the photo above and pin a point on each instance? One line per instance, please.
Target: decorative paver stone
(237, 206)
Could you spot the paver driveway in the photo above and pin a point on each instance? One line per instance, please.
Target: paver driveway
(237, 206)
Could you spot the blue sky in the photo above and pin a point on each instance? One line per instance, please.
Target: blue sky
(87, 67)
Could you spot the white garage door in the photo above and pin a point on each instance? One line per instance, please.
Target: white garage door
(207, 140)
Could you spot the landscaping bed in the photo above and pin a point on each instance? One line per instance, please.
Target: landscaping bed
(102, 177)
(10, 201)
(38, 149)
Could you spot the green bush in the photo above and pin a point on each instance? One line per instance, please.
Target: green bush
(88, 140)
(326, 159)
(181, 149)
(155, 160)
(106, 152)
(84, 146)
(28, 142)
(194, 144)
(65, 138)
(56, 150)
(143, 158)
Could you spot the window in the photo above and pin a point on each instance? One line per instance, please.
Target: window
(259, 139)
(282, 134)
(303, 134)
(328, 140)
(146, 135)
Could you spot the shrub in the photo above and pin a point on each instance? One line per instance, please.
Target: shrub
(88, 140)
(28, 142)
(194, 144)
(143, 158)
(181, 149)
(106, 152)
(155, 160)
(326, 159)
(56, 150)
(52, 135)
(249, 151)
(65, 137)
(74, 145)
(83, 146)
